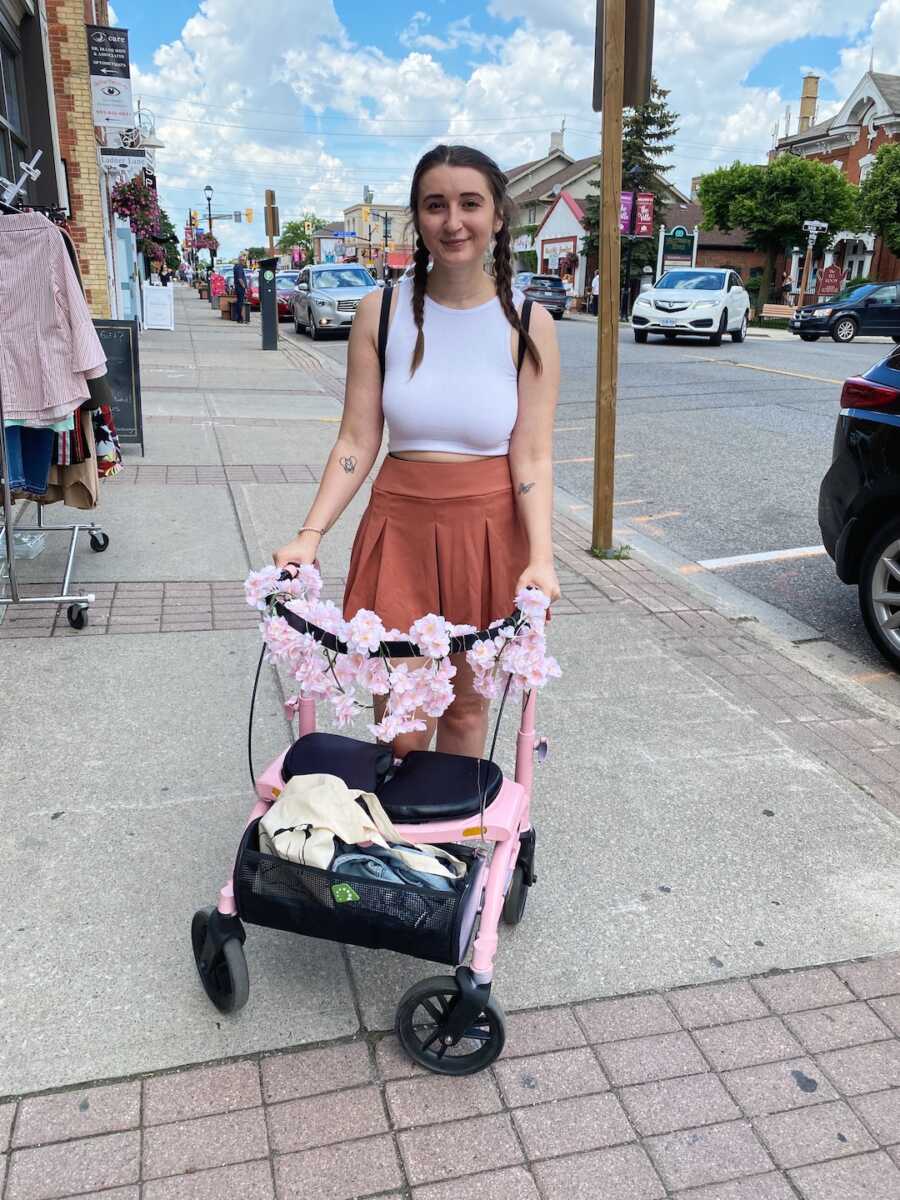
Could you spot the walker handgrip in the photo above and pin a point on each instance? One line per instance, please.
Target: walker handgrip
(402, 649)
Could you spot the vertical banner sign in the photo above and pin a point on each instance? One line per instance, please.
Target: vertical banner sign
(626, 207)
(643, 222)
(110, 76)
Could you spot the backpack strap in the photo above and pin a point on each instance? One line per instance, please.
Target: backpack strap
(383, 328)
(525, 320)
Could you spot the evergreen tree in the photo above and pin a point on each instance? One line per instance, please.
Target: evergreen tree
(647, 133)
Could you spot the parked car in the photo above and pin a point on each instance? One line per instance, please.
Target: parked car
(548, 290)
(873, 308)
(698, 301)
(522, 279)
(327, 296)
(252, 296)
(227, 273)
(859, 499)
(285, 283)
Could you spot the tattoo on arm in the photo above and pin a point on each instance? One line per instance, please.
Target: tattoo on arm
(348, 463)
(525, 488)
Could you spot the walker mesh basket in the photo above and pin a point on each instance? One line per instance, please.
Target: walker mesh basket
(422, 923)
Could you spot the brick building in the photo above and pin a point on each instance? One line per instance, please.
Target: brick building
(66, 21)
(868, 119)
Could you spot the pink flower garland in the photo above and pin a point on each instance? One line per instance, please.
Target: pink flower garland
(515, 655)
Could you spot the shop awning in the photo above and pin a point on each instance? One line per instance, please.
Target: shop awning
(399, 258)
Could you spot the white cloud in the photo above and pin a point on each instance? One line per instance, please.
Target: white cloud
(238, 93)
(111, 14)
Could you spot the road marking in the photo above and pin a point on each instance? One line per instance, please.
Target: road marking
(590, 458)
(766, 370)
(740, 560)
(658, 516)
(623, 503)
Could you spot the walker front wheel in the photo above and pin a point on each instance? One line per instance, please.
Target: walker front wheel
(422, 1015)
(222, 971)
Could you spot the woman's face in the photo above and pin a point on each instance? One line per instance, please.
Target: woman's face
(456, 214)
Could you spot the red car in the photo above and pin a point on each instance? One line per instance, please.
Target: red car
(253, 290)
(285, 285)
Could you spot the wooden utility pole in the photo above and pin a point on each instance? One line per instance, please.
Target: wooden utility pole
(272, 224)
(609, 239)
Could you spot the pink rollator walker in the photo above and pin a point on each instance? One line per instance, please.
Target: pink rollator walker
(450, 1024)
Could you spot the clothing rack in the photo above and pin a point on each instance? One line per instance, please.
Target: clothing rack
(76, 612)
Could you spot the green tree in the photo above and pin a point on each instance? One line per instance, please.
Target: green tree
(172, 251)
(879, 197)
(255, 253)
(772, 200)
(647, 133)
(293, 233)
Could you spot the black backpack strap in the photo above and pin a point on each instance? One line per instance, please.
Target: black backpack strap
(383, 328)
(525, 321)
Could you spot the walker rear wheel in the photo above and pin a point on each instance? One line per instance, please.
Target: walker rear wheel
(421, 1015)
(516, 898)
(224, 973)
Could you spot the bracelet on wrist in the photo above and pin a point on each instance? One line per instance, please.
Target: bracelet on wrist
(310, 529)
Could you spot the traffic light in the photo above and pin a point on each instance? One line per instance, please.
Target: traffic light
(248, 215)
(195, 218)
(365, 214)
(308, 228)
(387, 229)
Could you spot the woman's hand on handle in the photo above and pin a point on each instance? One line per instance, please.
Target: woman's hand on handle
(302, 550)
(542, 576)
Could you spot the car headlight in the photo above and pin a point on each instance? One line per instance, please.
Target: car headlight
(323, 301)
(823, 312)
(706, 304)
(643, 302)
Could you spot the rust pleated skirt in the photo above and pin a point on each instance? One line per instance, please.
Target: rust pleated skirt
(438, 537)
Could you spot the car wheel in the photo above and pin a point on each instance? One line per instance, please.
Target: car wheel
(313, 329)
(739, 334)
(844, 329)
(809, 337)
(296, 323)
(716, 338)
(879, 590)
(640, 336)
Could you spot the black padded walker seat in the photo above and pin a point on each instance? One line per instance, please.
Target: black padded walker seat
(427, 786)
(431, 786)
(361, 765)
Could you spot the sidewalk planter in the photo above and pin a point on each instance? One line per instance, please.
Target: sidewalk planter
(422, 923)
(246, 312)
(225, 308)
(203, 290)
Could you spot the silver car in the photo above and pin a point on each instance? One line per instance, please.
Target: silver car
(327, 297)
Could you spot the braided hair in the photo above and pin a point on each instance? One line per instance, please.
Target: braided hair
(466, 156)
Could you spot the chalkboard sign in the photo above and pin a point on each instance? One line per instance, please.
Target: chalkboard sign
(120, 344)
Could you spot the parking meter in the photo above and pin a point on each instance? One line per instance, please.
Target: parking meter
(268, 303)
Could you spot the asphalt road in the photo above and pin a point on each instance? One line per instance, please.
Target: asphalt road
(719, 454)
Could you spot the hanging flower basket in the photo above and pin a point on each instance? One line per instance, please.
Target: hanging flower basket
(152, 251)
(136, 203)
(206, 241)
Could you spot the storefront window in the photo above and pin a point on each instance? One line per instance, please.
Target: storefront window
(12, 143)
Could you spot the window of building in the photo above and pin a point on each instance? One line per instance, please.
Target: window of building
(532, 214)
(12, 134)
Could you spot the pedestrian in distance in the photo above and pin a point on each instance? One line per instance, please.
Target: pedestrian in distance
(459, 517)
(595, 293)
(164, 274)
(239, 279)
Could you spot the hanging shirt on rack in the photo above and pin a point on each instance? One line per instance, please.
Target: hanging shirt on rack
(48, 347)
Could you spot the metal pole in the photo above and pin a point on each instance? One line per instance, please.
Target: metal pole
(212, 260)
(610, 246)
(807, 266)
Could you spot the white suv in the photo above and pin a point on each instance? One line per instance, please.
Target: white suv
(699, 302)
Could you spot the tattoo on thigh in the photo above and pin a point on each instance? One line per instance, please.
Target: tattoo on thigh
(525, 488)
(348, 463)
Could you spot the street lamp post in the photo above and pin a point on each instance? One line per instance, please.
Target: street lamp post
(208, 193)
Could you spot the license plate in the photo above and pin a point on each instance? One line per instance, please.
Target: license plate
(668, 321)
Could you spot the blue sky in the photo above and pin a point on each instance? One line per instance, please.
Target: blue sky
(318, 97)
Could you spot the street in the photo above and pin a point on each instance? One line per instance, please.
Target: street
(719, 455)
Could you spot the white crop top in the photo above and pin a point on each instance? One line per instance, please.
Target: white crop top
(464, 397)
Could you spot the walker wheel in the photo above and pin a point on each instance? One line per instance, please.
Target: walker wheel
(99, 542)
(225, 978)
(421, 1015)
(516, 898)
(76, 615)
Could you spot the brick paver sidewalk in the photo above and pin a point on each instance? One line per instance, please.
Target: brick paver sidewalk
(775, 1087)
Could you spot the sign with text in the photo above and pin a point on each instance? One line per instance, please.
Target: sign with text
(110, 74)
(159, 307)
(119, 340)
(678, 249)
(626, 208)
(830, 281)
(643, 217)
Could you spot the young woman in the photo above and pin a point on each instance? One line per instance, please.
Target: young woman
(459, 517)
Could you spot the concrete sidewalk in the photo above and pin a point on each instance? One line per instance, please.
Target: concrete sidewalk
(717, 811)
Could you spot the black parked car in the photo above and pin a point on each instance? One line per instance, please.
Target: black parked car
(872, 308)
(548, 290)
(859, 500)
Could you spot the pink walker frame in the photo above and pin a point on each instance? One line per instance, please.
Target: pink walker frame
(505, 818)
